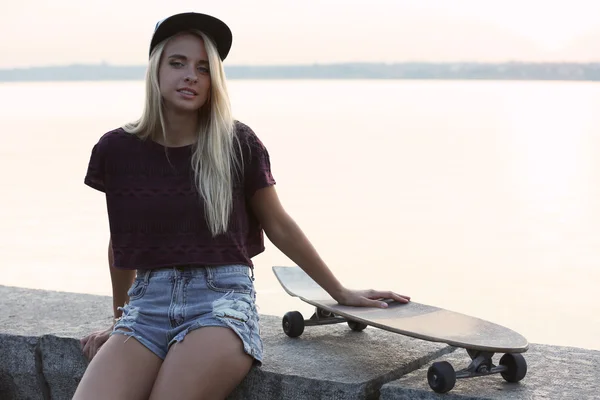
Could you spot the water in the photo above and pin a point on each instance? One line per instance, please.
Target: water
(480, 197)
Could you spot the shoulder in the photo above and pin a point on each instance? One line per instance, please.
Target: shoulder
(115, 140)
(247, 136)
(116, 137)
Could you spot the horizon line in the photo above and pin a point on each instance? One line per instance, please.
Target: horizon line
(107, 64)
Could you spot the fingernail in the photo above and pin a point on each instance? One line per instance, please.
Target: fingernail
(384, 305)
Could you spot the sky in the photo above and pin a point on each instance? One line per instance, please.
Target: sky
(279, 32)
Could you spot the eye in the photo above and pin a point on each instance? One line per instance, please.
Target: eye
(176, 64)
(204, 70)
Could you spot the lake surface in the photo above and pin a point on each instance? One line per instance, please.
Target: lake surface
(479, 197)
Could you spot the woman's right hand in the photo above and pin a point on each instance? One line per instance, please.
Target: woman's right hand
(92, 342)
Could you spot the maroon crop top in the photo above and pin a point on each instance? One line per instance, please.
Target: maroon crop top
(155, 214)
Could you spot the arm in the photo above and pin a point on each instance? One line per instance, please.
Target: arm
(121, 282)
(287, 236)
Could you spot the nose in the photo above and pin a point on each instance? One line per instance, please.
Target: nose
(191, 79)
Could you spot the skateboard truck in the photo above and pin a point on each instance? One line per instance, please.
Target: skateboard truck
(442, 377)
(293, 322)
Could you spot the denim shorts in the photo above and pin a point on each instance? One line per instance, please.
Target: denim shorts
(166, 304)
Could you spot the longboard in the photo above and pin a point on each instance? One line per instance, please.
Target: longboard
(481, 339)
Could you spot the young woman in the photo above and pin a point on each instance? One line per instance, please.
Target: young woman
(189, 193)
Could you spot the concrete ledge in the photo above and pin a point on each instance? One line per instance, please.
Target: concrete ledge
(40, 358)
(552, 373)
(19, 366)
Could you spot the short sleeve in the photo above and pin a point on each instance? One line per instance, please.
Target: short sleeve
(95, 175)
(257, 164)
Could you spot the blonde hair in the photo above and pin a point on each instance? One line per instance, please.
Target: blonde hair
(214, 160)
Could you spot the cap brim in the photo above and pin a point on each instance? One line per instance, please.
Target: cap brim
(216, 29)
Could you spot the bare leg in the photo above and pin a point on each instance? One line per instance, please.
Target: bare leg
(122, 369)
(208, 364)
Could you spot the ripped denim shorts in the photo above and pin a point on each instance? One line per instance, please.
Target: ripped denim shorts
(166, 304)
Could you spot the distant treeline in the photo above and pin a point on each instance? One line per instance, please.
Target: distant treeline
(412, 70)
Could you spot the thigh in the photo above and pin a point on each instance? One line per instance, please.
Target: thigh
(122, 369)
(208, 364)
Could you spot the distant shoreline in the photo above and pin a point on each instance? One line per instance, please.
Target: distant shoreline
(408, 70)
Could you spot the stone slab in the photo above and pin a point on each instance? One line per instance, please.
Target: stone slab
(332, 362)
(31, 312)
(39, 336)
(326, 362)
(63, 365)
(564, 373)
(21, 374)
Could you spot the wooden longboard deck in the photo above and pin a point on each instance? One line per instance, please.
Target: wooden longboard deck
(412, 319)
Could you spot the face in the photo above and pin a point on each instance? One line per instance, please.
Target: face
(184, 74)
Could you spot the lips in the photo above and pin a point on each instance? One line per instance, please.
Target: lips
(188, 91)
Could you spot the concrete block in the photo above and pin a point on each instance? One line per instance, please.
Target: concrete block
(564, 373)
(326, 362)
(39, 336)
(63, 365)
(20, 369)
(332, 362)
(31, 312)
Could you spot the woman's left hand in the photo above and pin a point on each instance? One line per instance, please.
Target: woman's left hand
(369, 298)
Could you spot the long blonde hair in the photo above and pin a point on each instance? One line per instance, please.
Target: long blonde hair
(214, 160)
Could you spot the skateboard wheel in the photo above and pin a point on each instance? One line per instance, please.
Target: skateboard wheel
(356, 326)
(293, 323)
(441, 377)
(516, 367)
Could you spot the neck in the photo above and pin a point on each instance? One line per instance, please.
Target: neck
(181, 129)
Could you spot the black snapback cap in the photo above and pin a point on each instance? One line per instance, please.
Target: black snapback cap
(216, 29)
